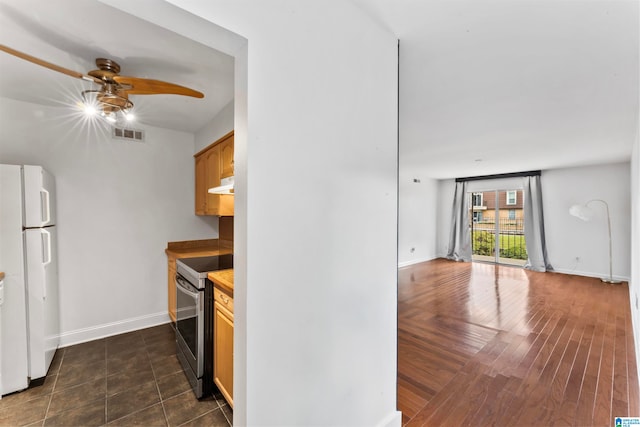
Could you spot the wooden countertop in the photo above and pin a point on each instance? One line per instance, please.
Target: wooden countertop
(197, 248)
(223, 280)
(192, 253)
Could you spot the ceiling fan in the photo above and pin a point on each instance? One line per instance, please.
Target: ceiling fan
(113, 95)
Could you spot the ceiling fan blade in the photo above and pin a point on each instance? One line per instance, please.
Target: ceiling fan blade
(48, 65)
(154, 87)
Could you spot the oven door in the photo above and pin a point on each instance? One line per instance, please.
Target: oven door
(190, 324)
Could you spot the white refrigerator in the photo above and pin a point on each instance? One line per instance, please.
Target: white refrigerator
(30, 314)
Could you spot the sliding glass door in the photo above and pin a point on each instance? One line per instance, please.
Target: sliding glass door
(497, 226)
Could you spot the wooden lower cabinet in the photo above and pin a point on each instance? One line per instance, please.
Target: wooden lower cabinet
(171, 288)
(223, 346)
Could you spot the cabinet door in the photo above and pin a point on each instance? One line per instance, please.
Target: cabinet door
(226, 157)
(223, 351)
(201, 191)
(171, 288)
(212, 179)
(211, 165)
(225, 205)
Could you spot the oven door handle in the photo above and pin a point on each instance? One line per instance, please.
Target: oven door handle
(184, 287)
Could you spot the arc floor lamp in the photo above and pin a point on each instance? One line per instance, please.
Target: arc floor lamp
(585, 213)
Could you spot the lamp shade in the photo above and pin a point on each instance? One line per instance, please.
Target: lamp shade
(583, 212)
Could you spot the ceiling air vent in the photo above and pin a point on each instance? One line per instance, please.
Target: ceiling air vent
(128, 134)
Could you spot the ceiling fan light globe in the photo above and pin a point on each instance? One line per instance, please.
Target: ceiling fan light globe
(89, 110)
(110, 117)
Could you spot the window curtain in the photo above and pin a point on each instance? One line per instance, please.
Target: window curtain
(460, 237)
(534, 225)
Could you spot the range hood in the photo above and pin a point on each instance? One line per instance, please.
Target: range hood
(225, 187)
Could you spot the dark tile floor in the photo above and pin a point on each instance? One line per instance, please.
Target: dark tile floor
(133, 379)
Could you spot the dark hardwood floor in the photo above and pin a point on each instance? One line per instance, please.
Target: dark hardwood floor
(484, 345)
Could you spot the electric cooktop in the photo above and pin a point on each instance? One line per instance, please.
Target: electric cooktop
(200, 266)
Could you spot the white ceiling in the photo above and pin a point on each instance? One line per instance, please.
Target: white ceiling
(72, 33)
(502, 86)
(486, 86)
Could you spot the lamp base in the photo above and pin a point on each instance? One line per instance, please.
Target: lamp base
(612, 281)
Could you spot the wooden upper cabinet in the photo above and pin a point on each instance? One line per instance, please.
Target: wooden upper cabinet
(201, 190)
(226, 157)
(212, 179)
(210, 165)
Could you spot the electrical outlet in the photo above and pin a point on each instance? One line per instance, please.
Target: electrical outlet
(577, 259)
(413, 250)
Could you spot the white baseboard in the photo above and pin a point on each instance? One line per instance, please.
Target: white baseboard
(415, 261)
(394, 419)
(108, 329)
(587, 273)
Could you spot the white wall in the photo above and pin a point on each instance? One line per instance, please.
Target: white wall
(321, 329)
(417, 218)
(316, 279)
(568, 237)
(218, 127)
(634, 284)
(118, 205)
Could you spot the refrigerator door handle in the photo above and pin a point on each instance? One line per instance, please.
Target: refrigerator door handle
(46, 247)
(45, 206)
(46, 254)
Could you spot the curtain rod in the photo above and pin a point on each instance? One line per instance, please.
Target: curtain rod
(500, 175)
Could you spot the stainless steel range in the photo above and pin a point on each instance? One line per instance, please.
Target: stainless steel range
(194, 319)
